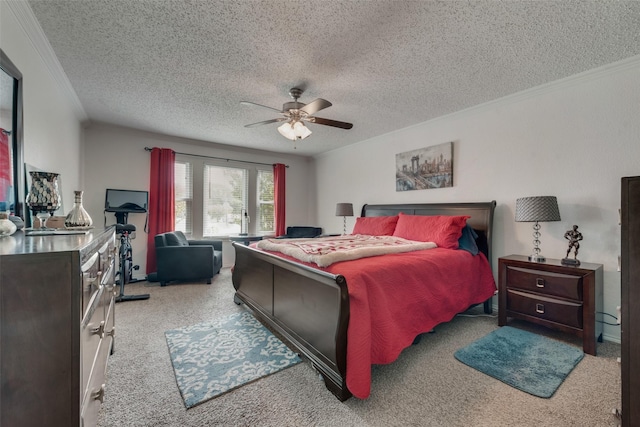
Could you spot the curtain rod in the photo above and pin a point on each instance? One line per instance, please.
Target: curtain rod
(218, 158)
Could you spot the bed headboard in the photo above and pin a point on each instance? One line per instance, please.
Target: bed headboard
(481, 216)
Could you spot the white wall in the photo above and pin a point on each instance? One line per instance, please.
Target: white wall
(52, 130)
(573, 139)
(115, 158)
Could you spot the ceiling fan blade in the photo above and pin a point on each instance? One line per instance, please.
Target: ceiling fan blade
(315, 106)
(327, 122)
(259, 105)
(266, 122)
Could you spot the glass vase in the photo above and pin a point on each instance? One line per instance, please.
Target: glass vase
(44, 195)
(78, 217)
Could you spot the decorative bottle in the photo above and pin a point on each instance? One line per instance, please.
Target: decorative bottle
(78, 217)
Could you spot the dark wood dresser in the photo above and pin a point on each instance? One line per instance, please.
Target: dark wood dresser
(548, 293)
(57, 327)
(630, 300)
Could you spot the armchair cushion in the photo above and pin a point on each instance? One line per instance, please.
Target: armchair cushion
(179, 259)
(175, 239)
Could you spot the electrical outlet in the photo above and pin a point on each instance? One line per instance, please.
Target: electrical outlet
(619, 314)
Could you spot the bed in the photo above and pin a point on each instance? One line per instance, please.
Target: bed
(329, 314)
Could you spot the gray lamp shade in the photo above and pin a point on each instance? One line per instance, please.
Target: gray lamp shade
(344, 209)
(537, 209)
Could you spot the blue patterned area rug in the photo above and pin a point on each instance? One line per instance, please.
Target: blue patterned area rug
(526, 361)
(210, 359)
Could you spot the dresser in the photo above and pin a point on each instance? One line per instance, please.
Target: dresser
(551, 294)
(57, 327)
(630, 300)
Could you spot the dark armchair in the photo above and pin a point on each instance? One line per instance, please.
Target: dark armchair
(179, 259)
(297, 232)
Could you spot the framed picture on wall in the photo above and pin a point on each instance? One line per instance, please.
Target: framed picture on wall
(425, 168)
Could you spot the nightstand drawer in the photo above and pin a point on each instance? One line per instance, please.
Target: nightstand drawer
(545, 282)
(559, 311)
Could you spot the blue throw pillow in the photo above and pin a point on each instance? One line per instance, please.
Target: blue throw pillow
(467, 241)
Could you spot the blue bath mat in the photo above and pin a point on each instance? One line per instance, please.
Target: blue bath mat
(529, 362)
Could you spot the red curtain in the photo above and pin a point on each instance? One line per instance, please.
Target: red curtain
(279, 197)
(5, 169)
(161, 200)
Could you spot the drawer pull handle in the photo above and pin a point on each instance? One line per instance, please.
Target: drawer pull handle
(112, 332)
(540, 308)
(539, 282)
(98, 394)
(98, 330)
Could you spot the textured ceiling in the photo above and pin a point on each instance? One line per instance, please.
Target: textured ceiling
(182, 67)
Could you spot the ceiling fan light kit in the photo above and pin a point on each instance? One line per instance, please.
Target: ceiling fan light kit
(295, 113)
(296, 131)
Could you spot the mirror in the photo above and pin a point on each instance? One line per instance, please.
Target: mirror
(12, 181)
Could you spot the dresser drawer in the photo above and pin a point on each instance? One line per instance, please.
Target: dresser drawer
(110, 320)
(554, 310)
(90, 281)
(94, 394)
(107, 255)
(548, 283)
(92, 332)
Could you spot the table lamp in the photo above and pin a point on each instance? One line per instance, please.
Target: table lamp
(537, 209)
(344, 210)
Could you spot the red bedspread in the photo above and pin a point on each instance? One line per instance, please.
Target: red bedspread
(393, 298)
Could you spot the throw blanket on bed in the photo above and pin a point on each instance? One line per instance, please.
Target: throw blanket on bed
(324, 251)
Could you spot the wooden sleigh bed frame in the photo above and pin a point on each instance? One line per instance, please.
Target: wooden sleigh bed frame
(309, 308)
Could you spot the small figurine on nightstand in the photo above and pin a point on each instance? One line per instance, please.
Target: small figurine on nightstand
(574, 237)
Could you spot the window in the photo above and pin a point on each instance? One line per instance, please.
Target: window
(184, 196)
(225, 199)
(216, 199)
(266, 220)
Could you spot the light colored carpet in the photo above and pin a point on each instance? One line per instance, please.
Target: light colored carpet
(426, 386)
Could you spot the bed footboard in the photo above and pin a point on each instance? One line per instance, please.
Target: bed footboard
(305, 307)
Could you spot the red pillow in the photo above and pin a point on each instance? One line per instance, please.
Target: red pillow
(443, 230)
(375, 225)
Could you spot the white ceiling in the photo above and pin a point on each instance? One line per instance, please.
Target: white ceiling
(181, 67)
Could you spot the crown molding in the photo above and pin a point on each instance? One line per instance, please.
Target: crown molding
(27, 20)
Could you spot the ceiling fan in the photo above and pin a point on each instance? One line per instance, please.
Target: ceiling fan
(295, 113)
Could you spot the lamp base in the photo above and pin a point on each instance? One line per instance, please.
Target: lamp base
(537, 258)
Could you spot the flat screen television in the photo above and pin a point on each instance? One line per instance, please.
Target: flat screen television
(126, 201)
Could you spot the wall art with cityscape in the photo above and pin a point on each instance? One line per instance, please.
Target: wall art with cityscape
(426, 168)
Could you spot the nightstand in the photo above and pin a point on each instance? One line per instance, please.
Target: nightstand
(561, 297)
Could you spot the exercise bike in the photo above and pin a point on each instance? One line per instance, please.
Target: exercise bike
(125, 272)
